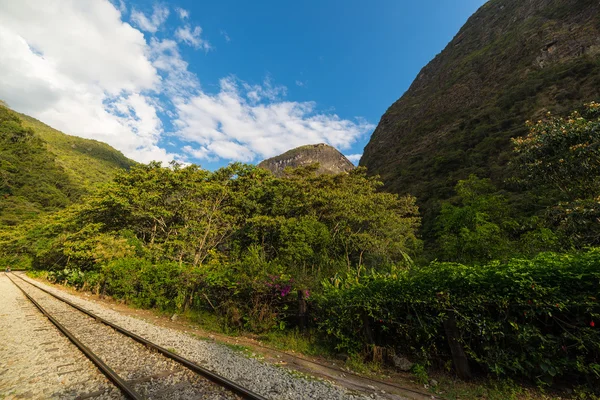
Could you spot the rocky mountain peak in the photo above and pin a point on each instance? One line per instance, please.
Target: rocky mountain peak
(330, 160)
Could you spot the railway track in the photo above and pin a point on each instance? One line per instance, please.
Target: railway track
(138, 367)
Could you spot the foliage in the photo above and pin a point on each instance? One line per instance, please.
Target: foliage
(562, 156)
(477, 231)
(523, 318)
(304, 224)
(30, 181)
(43, 170)
(237, 242)
(87, 162)
(483, 226)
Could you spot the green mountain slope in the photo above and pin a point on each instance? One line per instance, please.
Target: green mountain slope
(42, 169)
(86, 161)
(513, 61)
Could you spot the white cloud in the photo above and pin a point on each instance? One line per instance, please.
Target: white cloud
(183, 14)
(177, 80)
(79, 68)
(267, 90)
(192, 37)
(225, 35)
(232, 125)
(120, 5)
(151, 24)
(354, 158)
(300, 83)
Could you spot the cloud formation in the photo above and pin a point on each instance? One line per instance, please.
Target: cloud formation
(183, 14)
(99, 86)
(239, 123)
(354, 158)
(111, 83)
(225, 35)
(192, 37)
(152, 23)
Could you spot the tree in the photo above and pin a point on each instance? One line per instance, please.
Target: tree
(477, 229)
(561, 156)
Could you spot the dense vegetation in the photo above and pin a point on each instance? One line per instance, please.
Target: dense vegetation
(30, 179)
(43, 170)
(522, 318)
(519, 288)
(87, 162)
(240, 236)
(512, 61)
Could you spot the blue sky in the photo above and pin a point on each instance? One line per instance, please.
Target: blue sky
(215, 82)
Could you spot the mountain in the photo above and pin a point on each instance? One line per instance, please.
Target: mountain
(330, 160)
(42, 169)
(513, 61)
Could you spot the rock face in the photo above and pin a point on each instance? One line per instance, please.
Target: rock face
(514, 60)
(330, 160)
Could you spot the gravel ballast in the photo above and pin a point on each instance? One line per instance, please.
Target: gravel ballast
(150, 374)
(273, 382)
(36, 360)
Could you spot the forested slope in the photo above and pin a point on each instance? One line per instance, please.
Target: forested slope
(511, 62)
(44, 170)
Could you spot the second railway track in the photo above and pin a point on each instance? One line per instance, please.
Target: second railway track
(141, 369)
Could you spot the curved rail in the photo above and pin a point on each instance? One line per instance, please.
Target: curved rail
(105, 369)
(234, 387)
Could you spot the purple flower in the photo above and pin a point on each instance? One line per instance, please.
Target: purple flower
(285, 291)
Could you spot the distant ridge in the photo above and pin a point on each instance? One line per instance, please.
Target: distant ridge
(330, 160)
(44, 170)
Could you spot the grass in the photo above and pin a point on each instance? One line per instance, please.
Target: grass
(206, 321)
(238, 347)
(295, 341)
(357, 364)
(86, 161)
(499, 389)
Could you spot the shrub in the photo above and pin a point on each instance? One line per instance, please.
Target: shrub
(535, 318)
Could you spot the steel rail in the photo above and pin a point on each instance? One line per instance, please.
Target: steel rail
(105, 369)
(234, 387)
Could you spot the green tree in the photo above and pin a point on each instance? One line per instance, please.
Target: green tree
(477, 229)
(30, 180)
(561, 157)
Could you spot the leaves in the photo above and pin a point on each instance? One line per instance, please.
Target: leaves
(562, 156)
(522, 318)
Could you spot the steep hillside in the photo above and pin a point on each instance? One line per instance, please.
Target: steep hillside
(514, 60)
(86, 161)
(42, 169)
(330, 160)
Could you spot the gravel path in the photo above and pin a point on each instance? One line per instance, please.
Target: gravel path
(273, 382)
(36, 360)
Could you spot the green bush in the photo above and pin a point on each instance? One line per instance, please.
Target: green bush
(256, 302)
(534, 319)
(143, 283)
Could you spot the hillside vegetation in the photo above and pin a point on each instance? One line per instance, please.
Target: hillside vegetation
(86, 161)
(44, 170)
(334, 254)
(511, 207)
(511, 62)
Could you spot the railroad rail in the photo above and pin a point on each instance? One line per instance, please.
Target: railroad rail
(184, 367)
